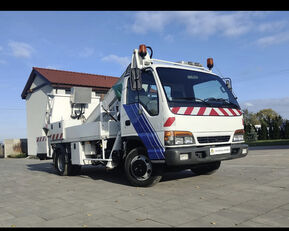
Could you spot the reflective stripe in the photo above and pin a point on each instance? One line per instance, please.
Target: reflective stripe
(169, 121)
(206, 111)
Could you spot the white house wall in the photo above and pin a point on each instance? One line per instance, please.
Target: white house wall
(35, 110)
(37, 105)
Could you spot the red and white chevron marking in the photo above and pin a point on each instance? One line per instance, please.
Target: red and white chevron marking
(57, 136)
(206, 111)
(41, 138)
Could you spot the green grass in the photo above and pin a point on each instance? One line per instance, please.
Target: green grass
(268, 142)
(21, 155)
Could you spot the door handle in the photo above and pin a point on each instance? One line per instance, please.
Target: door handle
(127, 123)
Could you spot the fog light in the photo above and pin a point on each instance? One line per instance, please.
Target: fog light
(184, 156)
(244, 151)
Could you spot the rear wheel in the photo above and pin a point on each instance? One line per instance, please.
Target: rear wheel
(63, 164)
(139, 169)
(206, 169)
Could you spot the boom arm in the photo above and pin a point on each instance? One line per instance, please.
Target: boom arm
(140, 59)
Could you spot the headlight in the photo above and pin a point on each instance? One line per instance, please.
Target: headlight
(238, 135)
(178, 137)
(188, 140)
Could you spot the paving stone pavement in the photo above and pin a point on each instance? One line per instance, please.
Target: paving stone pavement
(248, 192)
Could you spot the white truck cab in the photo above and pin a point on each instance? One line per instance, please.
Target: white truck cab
(159, 116)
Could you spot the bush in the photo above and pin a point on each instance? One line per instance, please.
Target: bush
(21, 155)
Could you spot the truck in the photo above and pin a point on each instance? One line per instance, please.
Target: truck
(160, 116)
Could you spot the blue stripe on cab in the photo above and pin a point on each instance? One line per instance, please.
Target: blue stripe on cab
(145, 131)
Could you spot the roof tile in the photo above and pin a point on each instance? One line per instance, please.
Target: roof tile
(69, 79)
(76, 78)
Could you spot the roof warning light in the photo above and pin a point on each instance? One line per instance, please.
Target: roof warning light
(142, 50)
(210, 63)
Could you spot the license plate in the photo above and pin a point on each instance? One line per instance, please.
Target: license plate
(220, 150)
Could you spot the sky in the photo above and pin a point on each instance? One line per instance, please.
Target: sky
(250, 47)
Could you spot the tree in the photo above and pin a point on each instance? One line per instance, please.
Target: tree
(263, 132)
(273, 122)
(275, 129)
(286, 129)
(250, 120)
(250, 132)
(269, 124)
(250, 117)
(247, 129)
(253, 134)
(272, 125)
(266, 115)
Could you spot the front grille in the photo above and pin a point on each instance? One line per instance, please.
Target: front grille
(213, 139)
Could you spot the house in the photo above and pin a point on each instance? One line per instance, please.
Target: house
(47, 95)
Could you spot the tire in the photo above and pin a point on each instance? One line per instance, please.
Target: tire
(76, 170)
(63, 164)
(139, 170)
(206, 169)
(41, 156)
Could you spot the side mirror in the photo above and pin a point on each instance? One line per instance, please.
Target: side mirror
(228, 82)
(135, 79)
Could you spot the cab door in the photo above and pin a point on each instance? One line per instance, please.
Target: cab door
(141, 115)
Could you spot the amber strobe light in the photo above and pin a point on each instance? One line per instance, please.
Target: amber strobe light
(210, 63)
(142, 50)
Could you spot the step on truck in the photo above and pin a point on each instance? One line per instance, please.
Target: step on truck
(159, 116)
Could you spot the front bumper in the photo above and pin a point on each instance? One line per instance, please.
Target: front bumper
(199, 155)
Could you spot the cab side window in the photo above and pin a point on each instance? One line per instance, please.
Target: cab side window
(148, 95)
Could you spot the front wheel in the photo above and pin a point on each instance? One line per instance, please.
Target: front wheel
(139, 169)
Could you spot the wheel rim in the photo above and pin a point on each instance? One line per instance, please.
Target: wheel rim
(60, 163)
(141, 168)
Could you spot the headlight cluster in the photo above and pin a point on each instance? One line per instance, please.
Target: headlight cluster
(238, 135)
(178, 137)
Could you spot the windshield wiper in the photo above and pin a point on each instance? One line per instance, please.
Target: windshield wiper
(226, 101)
(195, 99)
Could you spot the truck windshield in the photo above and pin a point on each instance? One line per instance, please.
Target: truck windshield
(193, 88)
